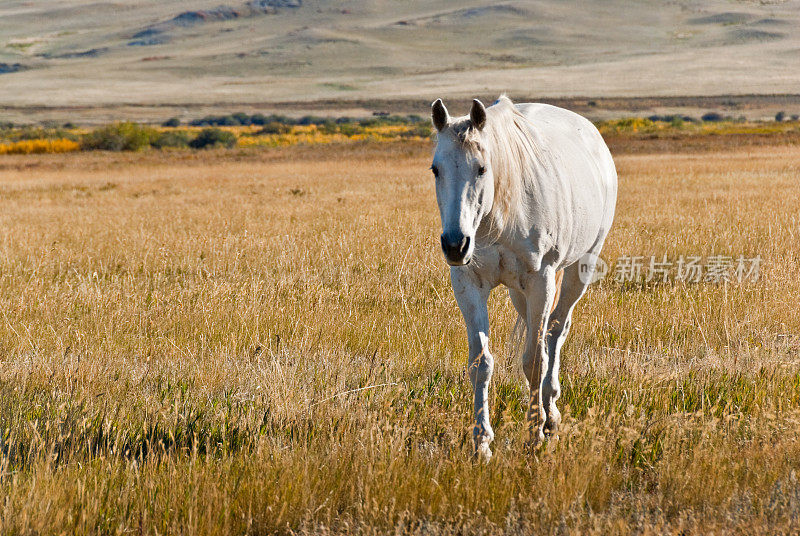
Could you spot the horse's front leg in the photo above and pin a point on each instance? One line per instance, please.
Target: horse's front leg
(540, 294)
(472, 300)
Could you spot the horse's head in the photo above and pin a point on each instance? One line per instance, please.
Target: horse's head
(464, 181)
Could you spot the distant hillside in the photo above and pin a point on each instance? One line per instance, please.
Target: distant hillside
(156, 52)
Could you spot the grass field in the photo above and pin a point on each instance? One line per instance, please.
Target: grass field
(264, 340)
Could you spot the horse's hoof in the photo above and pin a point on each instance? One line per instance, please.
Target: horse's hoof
(483, 452)
(535, 440)
(551, 434)
(552, 423)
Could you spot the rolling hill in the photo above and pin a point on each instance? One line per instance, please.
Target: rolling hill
(147, 52)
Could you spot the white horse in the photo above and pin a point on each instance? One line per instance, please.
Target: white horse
(526, 195)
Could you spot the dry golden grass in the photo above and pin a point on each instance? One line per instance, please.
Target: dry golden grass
(262, 341)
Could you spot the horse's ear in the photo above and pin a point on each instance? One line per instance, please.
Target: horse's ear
(477, 114)
(439, 115)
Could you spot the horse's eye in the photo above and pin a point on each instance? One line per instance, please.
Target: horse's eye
(435, 171)
(481, 170)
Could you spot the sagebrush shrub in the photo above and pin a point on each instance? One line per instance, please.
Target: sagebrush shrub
(124, 136)
(171, 138)
(213, 137)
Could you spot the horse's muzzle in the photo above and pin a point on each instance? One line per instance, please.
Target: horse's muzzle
(456, 248)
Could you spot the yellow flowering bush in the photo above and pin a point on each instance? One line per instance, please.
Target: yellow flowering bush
(315, 134)
(631, 124)
(61, 145)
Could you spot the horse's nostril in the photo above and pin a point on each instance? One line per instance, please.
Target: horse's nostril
(464, 246)
(455, 246)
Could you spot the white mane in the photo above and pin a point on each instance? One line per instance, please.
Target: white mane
(507, 142)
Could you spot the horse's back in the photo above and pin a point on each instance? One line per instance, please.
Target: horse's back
(564, 129)
(571, 143)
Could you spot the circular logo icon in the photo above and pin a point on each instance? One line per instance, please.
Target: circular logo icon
(591, 268)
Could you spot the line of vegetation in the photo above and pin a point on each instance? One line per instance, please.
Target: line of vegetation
(123, 136)
(276, 131)
(243, 130)
(242, 119)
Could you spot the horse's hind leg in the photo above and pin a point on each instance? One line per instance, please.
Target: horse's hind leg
(539, 297)
(572, 288)
(520, 303)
